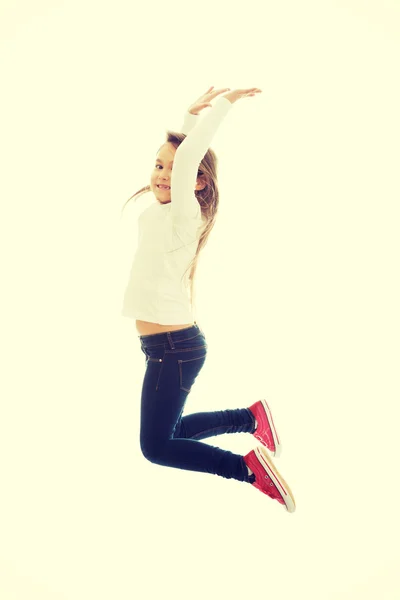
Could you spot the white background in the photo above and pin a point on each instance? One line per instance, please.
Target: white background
(297, 291)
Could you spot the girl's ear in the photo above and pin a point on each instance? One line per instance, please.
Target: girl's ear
(201, 183)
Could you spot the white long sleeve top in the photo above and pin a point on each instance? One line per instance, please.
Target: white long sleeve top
(168, 234)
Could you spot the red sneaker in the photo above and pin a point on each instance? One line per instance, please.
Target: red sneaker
(266, 431)
(268, 479)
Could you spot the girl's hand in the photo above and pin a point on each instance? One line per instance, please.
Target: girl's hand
(237, 94)
(204, 100)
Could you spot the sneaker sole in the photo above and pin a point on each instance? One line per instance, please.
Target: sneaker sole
(278, 445)
(287, 495)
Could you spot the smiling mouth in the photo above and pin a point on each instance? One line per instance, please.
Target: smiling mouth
(165, 189)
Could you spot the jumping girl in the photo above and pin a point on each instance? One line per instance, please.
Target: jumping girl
(172, 232)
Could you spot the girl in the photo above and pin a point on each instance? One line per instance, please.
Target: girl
(172, 231)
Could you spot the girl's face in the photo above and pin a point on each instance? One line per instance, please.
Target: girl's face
(161, 174)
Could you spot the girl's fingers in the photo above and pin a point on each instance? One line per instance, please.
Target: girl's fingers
(216, 92)
(212, 93)
(251, 93)
(243, 91)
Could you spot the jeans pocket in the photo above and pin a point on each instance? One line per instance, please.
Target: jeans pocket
(155, 358)
(154, 353)
(189, 368)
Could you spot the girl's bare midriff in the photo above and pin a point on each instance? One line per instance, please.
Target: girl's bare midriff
(147, 328)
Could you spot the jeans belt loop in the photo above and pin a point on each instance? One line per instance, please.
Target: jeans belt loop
(170, 340)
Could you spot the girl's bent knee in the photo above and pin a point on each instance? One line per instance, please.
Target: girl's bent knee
(152, 452)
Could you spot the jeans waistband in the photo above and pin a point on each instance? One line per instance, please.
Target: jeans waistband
(169, 337)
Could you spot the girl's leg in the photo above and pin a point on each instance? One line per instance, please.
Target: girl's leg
(174, 360)
(161, 407)
(208, 424)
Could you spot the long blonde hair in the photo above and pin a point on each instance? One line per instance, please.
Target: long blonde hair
(208, 199)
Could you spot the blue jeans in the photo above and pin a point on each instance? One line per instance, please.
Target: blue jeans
(173, 361)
